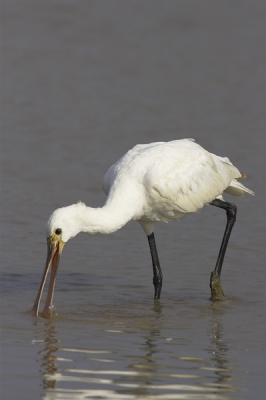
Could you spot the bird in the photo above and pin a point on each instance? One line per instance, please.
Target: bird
(156, 182)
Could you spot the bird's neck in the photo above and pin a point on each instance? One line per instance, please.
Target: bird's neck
(109, 218)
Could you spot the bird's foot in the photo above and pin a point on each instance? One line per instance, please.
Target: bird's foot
(217, 292)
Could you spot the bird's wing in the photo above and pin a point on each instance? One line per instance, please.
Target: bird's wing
(187, 180)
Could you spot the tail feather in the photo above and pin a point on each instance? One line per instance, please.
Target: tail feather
(236, 188)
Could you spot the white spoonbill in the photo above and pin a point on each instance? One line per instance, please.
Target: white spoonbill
(157, 182)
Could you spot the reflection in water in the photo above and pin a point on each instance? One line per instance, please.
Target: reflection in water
(148, 366)
(49, 366)
(151, 346)
(219, 349)
(152, 374)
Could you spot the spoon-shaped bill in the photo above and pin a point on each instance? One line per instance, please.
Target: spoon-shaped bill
(54, 250)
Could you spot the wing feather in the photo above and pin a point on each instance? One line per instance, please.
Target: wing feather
(187, 182)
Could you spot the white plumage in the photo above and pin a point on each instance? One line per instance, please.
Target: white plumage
(157, 182)
(153, 183)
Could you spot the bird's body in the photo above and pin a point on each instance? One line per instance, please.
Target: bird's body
(157, 182)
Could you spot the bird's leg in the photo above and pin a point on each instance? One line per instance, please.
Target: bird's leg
(157, 272)
(215, 284)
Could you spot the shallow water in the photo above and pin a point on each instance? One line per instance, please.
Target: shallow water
(82, 83)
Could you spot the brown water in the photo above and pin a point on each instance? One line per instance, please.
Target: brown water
(82, 82)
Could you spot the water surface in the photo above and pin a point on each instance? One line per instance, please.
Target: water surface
(82, 83)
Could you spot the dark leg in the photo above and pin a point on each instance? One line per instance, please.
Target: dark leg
(157, 273)
(215, 284)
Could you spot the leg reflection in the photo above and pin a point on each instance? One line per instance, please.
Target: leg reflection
(48, 365)
(148, 367)
(219, 350)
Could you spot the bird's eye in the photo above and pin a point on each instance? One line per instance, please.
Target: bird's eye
(58, 231)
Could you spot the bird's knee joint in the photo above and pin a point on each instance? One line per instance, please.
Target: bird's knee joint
(231, 211)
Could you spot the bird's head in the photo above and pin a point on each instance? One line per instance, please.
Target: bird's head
(62, 225)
